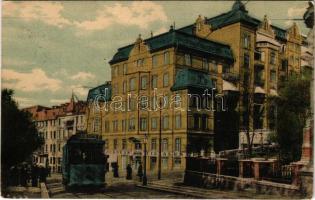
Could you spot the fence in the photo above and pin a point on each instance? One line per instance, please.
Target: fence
(201, 165)
(282, 174)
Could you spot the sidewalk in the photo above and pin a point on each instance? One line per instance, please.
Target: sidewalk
(176, 185)
(22, 192)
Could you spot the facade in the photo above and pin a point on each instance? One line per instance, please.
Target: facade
(245, 59)
(55, 125)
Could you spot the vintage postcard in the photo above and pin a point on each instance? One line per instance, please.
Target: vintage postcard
(157, 99)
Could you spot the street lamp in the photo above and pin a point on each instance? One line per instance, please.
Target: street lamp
(144, 180)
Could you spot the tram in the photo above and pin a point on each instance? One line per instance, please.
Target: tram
(83, 161)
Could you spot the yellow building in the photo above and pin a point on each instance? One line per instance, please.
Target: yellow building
(244, 58)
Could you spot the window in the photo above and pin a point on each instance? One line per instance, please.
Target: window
(107, 126)
(213, 66)
(166, 101)
(115, 144)
(96, 124)
(177, 121)
(144, 103)
(124, 87)
(124, 144)
(131, 124)
(262, 56)
(187, 59)
(131, 104)
(132, 84)
(59, 147)
(272, 57)
(177, 144)
(165, 122)
(164, 163)
(165, 80)
(143, 124)
(140, 63)
(125, 69)
(166, 58)
(153, 144)
(154, 61)
(154, 81)
(177, 162)
(123, 125)
(205, 64)
(143, 82)
(115, 125)
(246, 40)
(164, 145)
(246, 60)
(154, 123)
(106, 144)
(272, 76)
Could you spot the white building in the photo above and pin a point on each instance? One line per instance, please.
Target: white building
(55, 125)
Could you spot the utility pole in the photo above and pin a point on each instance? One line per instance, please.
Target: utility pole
(144, 180)
(160, 143)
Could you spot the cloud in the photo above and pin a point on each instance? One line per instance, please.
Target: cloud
(138, 13)
(47, 12)
(13, 62)
(82, 76)
(36, 80)
(24, 102)
(79, 90)
(58, 101)
(296, 11)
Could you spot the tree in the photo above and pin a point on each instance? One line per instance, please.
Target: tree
(293, 105)
(19, 137)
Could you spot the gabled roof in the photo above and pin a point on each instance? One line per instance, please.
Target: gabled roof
(181, 40)
(238, 13)
(104, 92)
(189, 78)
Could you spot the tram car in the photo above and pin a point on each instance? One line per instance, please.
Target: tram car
(83, 162)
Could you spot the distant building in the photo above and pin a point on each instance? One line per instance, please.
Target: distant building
(55, 125)
(245, 59)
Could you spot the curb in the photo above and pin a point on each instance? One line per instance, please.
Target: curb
(43, 191)
(172, 191)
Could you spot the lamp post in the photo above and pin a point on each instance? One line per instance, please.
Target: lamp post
(144, 180)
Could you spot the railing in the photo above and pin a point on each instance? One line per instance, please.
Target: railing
(282, 174)
(201, 165)
(228, 76)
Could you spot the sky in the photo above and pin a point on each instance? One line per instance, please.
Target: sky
(50, 49)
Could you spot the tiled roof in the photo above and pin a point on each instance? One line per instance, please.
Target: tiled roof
(100, 91)
(46, 113)
(236, 14)
(189, 78)
(179, 39)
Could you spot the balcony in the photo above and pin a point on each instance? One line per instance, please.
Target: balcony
(232, 77)
(259, 59)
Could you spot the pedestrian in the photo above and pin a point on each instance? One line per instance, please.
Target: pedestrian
(115, 170)
(23, 175)
(129, 172)
(42, 174)
(140, 172)
(14, 176)
(34, 176)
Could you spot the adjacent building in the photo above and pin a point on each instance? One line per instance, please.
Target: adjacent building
(55, 125)
(212, 79)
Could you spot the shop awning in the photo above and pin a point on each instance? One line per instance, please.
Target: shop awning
(228, 86)
(259, 90)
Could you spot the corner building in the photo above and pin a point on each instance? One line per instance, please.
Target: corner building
(243, 58)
